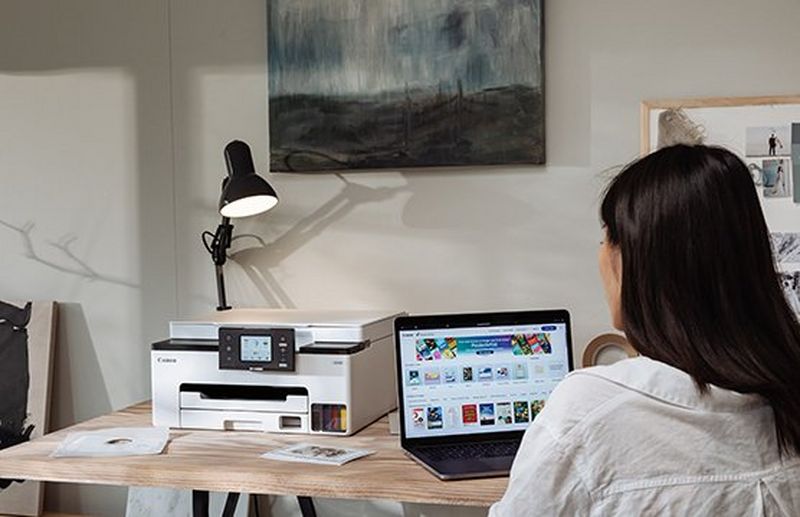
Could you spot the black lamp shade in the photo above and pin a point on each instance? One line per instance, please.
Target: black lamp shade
(244, 193)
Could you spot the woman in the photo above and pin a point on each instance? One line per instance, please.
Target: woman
(707, 420)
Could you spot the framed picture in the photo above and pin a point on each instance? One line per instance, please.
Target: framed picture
(357, 84)
(763, 131)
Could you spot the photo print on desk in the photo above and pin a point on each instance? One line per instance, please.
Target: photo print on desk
(357, 84)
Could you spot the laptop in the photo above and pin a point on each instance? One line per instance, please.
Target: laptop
(470, 384)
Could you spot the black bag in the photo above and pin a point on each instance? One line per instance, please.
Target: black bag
(14, 377)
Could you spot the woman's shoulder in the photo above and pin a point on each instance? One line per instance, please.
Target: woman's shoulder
(586, 394)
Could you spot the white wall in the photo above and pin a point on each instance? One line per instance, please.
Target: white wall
(85, 157)
(426, 240)
(455, 239)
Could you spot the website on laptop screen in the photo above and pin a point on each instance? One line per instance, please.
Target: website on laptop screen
(479, 380)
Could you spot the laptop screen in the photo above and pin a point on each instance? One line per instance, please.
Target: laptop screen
(480, 379)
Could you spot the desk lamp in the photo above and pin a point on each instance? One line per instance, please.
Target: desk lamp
(244, 194)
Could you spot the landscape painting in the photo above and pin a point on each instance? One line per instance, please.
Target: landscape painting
(366, 84)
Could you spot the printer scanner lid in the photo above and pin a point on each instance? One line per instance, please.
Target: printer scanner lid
(325, 325)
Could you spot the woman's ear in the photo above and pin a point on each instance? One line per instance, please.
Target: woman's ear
(610, 263)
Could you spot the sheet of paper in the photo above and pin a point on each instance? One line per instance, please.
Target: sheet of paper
(318, 454)
(117, 441)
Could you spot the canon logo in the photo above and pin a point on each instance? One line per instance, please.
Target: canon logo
(166, 360)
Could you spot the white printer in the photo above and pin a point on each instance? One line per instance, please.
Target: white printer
(292, 371)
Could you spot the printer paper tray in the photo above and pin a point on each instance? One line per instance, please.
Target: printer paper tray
(243, 421)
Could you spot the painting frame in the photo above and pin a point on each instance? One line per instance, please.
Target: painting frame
(483, 135)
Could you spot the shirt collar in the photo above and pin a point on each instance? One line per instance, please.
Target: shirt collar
(664, 382)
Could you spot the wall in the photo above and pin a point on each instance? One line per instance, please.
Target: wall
(457, 239)
(86, 168)
(424, 240)
(453, 239)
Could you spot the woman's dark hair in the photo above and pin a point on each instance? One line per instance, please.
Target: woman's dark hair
(700, 291)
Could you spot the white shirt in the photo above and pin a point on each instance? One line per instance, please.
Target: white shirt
(637, 438)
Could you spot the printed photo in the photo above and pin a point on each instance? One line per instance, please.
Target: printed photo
(413, 378)
(450, 375)
(434, 417)
(466, 374)
(791, 288)
(432, 376)
(776, 178)
(504, 414)
(502, 373)
(536, 408)
(316, 451)
(786, 247)
(520, 371)
(768, 141)
(756, 168)
(418, 416)
(469, 414)
(487, 414)
(521, 414)
(485, 373)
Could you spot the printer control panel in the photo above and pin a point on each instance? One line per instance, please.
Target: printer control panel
(256, 349)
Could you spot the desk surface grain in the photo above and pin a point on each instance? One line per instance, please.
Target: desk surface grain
(229, 461)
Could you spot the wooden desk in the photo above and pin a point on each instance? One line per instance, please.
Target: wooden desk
(229, 462)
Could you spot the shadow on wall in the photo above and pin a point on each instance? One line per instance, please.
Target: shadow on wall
(473, 209)
(70, 263)
(259, 261)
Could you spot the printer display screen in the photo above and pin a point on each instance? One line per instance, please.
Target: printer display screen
(256, 349)
(479, 380)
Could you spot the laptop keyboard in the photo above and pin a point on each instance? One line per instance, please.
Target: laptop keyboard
(471, 450)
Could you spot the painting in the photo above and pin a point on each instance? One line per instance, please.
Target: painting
(365, 84)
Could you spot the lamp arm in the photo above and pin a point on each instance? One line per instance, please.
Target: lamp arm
(221, 242)
(218, 247)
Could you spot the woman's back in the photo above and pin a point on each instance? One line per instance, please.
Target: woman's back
(638, 438)
(707, 422)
